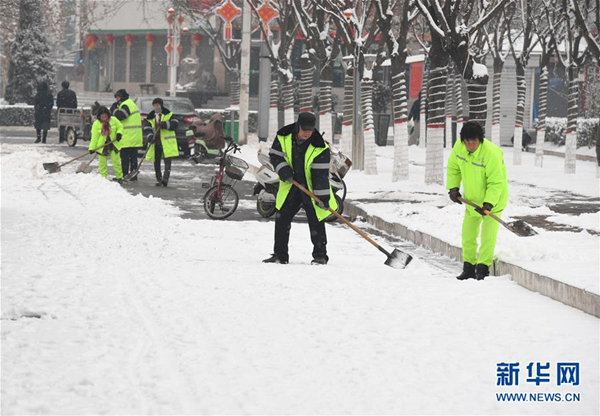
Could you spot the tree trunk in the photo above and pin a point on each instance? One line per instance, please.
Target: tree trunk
(370, 166)
(400, 170)
(458, 90)
(306, 78)
(434, 158)
(346, 141)
(288, 102)
(572, 113)
(449, 107)
(541, 123)
(521, 93)
(273, 109)
(325, 102)
(423, 109)
(497, 79)
(477, 102)
(235, 89)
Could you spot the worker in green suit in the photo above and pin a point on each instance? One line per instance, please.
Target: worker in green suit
(479, 165)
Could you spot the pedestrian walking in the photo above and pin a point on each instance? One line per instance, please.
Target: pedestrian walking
(42, 104)
(66, 98)
(159, 129)
(478, 164)
(299, 153)
(105, 129)
(127, 112)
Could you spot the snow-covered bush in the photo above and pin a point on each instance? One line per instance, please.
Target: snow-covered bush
(20, 115)
(556, 131)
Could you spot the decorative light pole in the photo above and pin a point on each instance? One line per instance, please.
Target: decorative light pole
(173, 48)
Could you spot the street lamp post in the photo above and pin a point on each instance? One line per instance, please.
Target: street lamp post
(173, 48)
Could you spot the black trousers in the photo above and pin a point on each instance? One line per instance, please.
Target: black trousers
(41, 135)
(129, 159)
(283, 224)
(158, 154)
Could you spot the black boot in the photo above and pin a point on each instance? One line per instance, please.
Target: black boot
(468, 272)
(44, 135)
(275, 259)
(39, 136)
(481, 271)
(319, 260)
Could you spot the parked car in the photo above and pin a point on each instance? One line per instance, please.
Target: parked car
(183, 111)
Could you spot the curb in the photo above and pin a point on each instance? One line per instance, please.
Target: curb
(575, 297)
(586, 158)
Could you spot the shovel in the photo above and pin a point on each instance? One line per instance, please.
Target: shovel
(54, 167)
(85, 167)
(519, 227)
(396, 259)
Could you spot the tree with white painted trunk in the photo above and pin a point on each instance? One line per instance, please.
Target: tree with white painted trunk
(570, 38)
(452, 31)
(357, 28)
(421, 33)
(522, 15)
(397, 51)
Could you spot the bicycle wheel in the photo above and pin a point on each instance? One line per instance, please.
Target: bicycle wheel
(219, 208)
(339, 210)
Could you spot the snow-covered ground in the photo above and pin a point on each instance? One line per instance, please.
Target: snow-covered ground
(112, 304)
(571, 257)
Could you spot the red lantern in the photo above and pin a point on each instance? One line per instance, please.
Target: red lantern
(90, 42)
(197, 38)
(150, 38)
(129, 39)
(109, 39)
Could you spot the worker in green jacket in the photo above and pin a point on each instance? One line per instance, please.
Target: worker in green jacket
(107, 129)
(479, 165)
(128, 114)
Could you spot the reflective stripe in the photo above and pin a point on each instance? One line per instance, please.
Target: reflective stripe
(277, 153)
(319, 166)
(281, 166)
(132, 127)
(135, 112)
(477, 164)
(168, 137)
(461, 158)
(321, 192)
(124, 112)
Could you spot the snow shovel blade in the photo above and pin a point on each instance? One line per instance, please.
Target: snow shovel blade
(398, 260)
(52, 167)
(84, 167)
(521, 228)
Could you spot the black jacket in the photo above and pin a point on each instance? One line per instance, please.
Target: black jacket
(320, 168)
(43, 103)
(66, 99)
(172, 124)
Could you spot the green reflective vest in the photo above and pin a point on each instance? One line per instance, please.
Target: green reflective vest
(284, 187)
(483, 174)
(132, 125)
(98, 139)
(168, 139)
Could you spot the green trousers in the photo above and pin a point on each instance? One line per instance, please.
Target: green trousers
(472, 223)
(115, 159)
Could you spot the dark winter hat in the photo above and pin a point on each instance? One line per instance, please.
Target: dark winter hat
(42, 86)
(102, 110)
(471, 130)
(158, 100)
(121, 93)
(307, 121)
(65, 84)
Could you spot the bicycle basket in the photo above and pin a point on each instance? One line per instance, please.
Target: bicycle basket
(235, 167)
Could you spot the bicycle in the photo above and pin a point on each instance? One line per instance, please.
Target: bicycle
(221, 200)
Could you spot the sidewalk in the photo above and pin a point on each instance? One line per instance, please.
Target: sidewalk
(583, 153)
(561, 262)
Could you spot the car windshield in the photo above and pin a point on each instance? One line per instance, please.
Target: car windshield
(176, 106)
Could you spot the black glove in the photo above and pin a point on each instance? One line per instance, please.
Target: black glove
(324, 203)
(288, 179)
(163, 125)
(486, 207)
(119, 137)
(454, 194)
(92, 152)
(151, 138)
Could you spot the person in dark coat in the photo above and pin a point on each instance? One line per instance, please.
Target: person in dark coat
(65, 99)
(42, 104)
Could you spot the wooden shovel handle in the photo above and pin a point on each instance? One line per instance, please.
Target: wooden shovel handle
(344, 220)
(461, 199)
(86, 153)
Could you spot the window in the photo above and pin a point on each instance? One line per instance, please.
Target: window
(137, 68)
(159, 60)
(120, 58)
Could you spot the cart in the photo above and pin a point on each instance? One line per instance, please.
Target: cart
(77, 123)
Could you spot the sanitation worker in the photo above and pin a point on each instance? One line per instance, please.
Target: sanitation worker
(107, 129)
(300, 153)
(479, 165)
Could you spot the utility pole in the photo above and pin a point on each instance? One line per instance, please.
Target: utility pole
(264, 91)
(245, 74)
